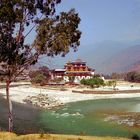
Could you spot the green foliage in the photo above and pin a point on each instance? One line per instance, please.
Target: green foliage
(40, 76)
(15, 16)
(112, 83)
(83, 81)
(60, 33)
(38, 79)
(55, 33)
(93, 82)
(96, 75)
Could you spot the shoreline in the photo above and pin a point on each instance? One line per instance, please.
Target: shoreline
(62, 95)
(106, 92)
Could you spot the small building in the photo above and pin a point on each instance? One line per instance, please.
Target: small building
(58, 73)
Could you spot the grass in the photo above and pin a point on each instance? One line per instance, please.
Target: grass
(12, 136)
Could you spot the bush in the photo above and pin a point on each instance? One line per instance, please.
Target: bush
(112, 83)
(83, 81)
(133, 76)
(93, 82)
(38, 77)
(57, 80)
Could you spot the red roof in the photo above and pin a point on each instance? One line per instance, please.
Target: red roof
(78, 61)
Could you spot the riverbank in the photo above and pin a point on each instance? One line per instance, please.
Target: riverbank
(76, 118)
(56, 96)
(42, 136)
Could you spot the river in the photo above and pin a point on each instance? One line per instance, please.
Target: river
(88, 117)
(83, 117)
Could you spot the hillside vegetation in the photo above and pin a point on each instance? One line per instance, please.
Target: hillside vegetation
(12, 136)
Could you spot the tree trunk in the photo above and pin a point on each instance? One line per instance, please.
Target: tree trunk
(10, 116)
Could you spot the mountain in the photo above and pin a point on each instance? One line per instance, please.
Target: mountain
(99, 52)
(105, 57)
(134, 67)
(123, 61)
(94, 54)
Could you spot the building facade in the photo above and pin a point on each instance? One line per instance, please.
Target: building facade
(74, 71)
(77, 70)
(58, 73)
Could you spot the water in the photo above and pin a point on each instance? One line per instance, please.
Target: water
(136, 108)
(88, 118)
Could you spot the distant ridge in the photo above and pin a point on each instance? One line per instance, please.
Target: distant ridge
(134, 67)
(105, 57)
(126, 60)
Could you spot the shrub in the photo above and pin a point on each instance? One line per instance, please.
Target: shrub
(93, 82)
(83, 81)
(112, 83)
(57, 80)
(38, 78)
(133, 76)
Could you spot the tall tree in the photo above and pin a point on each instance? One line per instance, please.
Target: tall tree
(55, 35)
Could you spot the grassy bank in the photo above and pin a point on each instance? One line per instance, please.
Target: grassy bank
(12, 136)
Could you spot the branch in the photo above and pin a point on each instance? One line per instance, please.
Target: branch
(32, 28)
(15, 76)
(29, 31)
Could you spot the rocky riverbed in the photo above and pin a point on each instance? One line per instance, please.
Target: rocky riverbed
(128, 119)
(42, 101)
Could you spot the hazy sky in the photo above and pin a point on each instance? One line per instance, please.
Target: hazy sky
(116, 20)
(106, 19)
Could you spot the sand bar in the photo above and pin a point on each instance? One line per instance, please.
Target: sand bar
(19, 93)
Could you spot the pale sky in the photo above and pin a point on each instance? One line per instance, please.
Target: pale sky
(104, 19)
